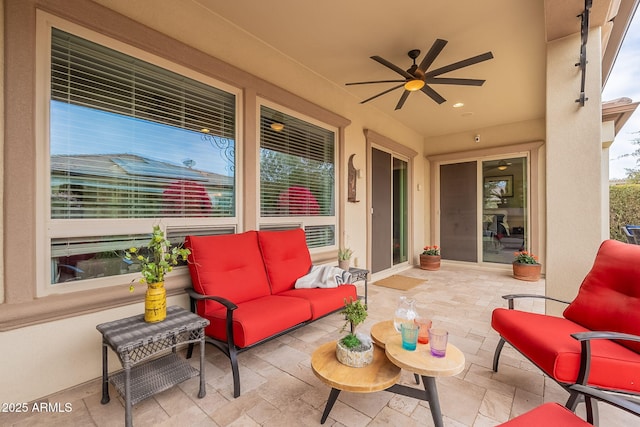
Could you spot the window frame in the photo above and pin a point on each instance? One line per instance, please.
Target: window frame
(48, 228)
(278, 222)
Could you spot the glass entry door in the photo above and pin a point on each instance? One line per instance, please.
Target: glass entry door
(389, 216)
(504, 209)
(484, 209)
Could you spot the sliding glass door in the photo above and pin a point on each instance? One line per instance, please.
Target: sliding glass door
(504, 208)
(484, 209)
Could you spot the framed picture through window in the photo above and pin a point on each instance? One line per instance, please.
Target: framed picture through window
(501, 186)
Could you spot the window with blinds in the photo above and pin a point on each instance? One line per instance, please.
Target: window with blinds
(297, 176)
(131, 140)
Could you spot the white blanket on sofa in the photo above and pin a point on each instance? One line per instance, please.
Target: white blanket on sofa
(323, 276)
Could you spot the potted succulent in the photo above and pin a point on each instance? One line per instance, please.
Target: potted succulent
(526, 266)
(344, 256)
(355, 350)
(430, 258)
(155, 260)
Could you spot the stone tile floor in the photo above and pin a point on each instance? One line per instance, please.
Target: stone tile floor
(279, 388)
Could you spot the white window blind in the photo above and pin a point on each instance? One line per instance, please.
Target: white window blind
(127, 140)
(132, 140)
(297, 175)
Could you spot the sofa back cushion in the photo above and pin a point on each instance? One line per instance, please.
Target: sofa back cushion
(286, 257)
(228, 265)
(609, 297)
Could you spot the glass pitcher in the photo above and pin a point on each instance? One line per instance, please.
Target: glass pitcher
(405, 312)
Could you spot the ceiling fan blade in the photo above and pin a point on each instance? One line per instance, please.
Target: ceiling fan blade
(460, 64)
(376, 81)
(433, 53)
(453, 81)
(381, 93)
(403, 98)
(432, 94)
(394, 67)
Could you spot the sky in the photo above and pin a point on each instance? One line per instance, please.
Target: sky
(624, 81)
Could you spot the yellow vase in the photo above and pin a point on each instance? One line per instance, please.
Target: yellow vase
(155, 303)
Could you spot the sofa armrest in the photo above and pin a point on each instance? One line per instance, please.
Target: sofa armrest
(194, 297)
(585, 343)
(612, 399)
(511, 297)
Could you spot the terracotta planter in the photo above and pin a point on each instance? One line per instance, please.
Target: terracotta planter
(155, 303)
(344, 264)
(527, 272)
(430, 262)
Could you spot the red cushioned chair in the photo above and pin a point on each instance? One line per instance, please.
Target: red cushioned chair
(597, 341)
(553, 414)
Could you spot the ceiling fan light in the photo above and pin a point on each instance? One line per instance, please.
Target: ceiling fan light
(277, 126)
(502, 165)
(414, 85)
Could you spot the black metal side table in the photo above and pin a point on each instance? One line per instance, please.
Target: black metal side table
(136, 341)
(360, 274)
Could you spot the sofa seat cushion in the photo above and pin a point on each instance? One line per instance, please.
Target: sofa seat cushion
(286, 257)
(228, 265)
(257, 319)
(609, 297)
(549, 414)
(324, 300)
(547, 342)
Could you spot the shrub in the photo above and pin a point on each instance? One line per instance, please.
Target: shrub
(624, 208)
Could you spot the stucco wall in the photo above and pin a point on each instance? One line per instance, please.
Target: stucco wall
(573, 165)
(2, 141)
(47, 357)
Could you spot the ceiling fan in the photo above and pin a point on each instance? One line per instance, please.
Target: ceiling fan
(418, 78)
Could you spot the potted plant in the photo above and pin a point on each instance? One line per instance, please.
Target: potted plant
(430, 258)
(156, 260)
(526, 266)
(355, 350)
(344, 256)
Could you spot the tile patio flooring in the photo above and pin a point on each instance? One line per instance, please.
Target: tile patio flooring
(278, 387)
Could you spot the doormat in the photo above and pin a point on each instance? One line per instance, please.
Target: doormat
(403, 283)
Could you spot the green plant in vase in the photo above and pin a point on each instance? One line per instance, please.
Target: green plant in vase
(355, 313)
(156, 260)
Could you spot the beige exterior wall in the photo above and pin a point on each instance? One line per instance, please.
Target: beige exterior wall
(573, 164)
(69, 341)
(45, 357)
(2, 116)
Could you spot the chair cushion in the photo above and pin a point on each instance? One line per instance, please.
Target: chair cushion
(324, 300)
(609, 297)
(548, 414)
(286, 257)
(546, 341)
(228, 265)
(257, 319)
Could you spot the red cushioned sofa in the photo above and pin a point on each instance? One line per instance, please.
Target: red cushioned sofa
(244, 285)
(597, 341)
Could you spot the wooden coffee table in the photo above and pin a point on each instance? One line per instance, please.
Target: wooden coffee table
(383, 374)
(422, 363)
(382, 331)
(379, 375)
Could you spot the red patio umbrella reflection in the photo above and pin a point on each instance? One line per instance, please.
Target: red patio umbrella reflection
(186, 198)
(298, 201)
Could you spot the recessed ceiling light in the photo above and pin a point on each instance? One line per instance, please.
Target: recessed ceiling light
(458, 105)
